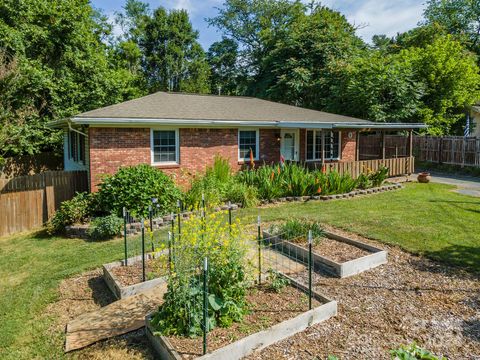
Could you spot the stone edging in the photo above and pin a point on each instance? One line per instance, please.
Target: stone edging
(351, 194)
(122, 292)
(345, 269)
(256, 341)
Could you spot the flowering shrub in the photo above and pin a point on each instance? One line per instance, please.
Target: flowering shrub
(226, 249)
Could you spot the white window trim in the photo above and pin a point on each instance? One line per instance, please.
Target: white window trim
(177, 147)
(257, 143)
(314, 145)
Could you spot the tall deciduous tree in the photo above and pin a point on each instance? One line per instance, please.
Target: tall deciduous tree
(298, 70)
(460, 18)
(222, 57)
(61, 63)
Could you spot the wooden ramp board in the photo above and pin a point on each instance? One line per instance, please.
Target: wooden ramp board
(118, 318)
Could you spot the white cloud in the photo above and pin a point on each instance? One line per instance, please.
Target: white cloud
(194, 7)
(385, 17)
(380, 16)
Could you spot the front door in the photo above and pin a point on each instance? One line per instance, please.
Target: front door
(289, 144)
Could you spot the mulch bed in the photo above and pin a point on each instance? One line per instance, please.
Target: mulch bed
(267, 308)
(409, 299)
(132, 274)
(335, 250)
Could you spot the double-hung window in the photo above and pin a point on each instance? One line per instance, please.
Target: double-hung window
(76, 147)
(247, 141)
(314, 145)
(164, 146)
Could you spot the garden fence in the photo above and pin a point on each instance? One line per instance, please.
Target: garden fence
(27, 202)
(453, 150)
(267, 259)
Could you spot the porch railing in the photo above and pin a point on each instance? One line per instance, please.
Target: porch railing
(396, 166)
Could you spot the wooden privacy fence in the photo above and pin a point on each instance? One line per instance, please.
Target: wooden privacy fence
(396, 166)
(455, 150)
(370, 146)
(27, 202)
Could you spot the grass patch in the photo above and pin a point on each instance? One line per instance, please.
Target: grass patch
(31, 268)
(427, 219)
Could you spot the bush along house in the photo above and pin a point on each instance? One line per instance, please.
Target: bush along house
(181, 133)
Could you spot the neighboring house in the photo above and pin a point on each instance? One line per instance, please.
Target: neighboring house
(475, 121)
(181, 133)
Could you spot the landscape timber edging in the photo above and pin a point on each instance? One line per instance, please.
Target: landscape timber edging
(256, 341)
(345, 269)
(122, 292)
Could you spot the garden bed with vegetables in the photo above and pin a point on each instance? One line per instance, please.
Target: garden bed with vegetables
(272, 314)
(220, 301)
(337, 254)
(127, 280)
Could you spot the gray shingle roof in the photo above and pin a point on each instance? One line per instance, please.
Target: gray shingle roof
(162, 105)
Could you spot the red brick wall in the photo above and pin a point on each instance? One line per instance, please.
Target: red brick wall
(349, 146)
(111, 148)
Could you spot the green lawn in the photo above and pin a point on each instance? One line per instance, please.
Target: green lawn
(428, 219)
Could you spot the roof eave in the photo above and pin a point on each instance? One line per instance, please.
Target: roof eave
(381, 126)
(234, 123)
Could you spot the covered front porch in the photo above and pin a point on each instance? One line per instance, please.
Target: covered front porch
(351, 150)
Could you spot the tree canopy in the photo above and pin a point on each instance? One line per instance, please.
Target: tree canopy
(61, 57)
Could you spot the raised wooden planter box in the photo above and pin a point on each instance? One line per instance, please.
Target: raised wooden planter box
(257, 341)
(345, 269)
(122, 292)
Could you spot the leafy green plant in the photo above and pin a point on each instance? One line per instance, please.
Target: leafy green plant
(226, 248)
(363, 181)
(107, 227)
(240, 193)
(296, 228)
(413, 352)
(276, 281)
(378, 177)
(74, 211)
(134, 187)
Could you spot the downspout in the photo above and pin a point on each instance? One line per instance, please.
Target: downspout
(75, 130)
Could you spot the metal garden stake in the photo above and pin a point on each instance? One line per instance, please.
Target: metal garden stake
(178, 216)
(310, 269)
(150, 216)
(125, 233)
(205, 304)
(259, 251)
(143, 250)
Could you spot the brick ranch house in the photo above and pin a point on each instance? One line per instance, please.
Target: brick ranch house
(181, 134)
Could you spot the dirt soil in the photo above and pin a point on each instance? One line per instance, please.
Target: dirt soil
(267, 308)
(409, 299)
(335, 250)
(132, 274)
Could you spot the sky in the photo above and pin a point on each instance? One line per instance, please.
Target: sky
(371, 16)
